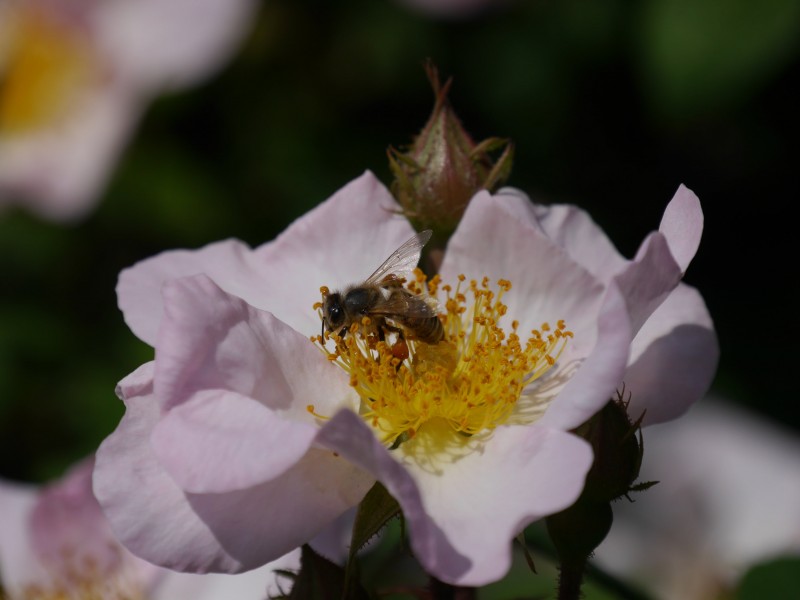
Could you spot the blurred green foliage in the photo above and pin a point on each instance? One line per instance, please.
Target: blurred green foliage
(611, 104)
(699, 56)
(777, 579)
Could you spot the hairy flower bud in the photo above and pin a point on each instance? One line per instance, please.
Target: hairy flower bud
(579, 529)
(617, 452)
(443, 168)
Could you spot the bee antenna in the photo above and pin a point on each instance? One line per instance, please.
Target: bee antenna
(322, 333)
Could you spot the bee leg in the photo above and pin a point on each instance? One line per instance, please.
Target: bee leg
(400, 348)
(400, 351)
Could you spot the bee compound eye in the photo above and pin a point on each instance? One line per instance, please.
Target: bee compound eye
(336, 314)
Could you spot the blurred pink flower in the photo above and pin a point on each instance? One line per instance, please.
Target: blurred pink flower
(454, 8)
(56, 543)
(728, 498)
(76, 75)
(218, 447)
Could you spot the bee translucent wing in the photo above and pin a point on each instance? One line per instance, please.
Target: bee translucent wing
(403, 260)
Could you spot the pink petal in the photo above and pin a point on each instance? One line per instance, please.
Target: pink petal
(213, 340)
(326, 246)
(334, 541)
(484, 498)
(674, 358)
(574, 230)
(648, 279)
(347, 434)
(147, 510)
(221, 441)
(547, 285)
(340, 242)
(261, 523)
(19, 564)
(253, 585)
(230, 263)
(601, 373)
(151, 48)
(58, 171)
(682, 225)
(227, 532)
(68, 528)
(463, 516)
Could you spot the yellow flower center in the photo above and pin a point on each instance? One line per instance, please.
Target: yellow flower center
(469, 383)
(81, 577)
(97, 591)
(44, 64)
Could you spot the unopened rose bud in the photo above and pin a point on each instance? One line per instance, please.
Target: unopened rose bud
(443, 168)
(617, 452)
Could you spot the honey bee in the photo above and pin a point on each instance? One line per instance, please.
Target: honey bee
(382, 297)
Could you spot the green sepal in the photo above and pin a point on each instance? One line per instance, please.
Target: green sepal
(641, 487)
(376, 509)
(526, 552)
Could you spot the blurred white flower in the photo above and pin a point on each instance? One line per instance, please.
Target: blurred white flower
(75, 76)
(728, 497)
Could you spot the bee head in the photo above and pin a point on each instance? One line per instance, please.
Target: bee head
(333, 316)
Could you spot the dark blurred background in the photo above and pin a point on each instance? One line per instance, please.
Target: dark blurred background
(611, 105)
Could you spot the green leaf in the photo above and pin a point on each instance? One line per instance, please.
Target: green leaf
(777, 579)
(320, 579)
(375, 511)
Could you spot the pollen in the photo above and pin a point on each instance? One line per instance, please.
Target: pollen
(467, 384)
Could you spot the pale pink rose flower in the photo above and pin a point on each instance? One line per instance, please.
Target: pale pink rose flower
(77, 75)
(218, 453)
(56, 543)
(728, 498)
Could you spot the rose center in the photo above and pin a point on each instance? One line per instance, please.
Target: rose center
(44, 64)
(468, 383)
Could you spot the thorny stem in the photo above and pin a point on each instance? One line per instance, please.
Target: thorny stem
(570, 579)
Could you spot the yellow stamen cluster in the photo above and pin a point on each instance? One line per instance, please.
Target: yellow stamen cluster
(45, 66)
(79, 576)
(79, 590)
(471, 380)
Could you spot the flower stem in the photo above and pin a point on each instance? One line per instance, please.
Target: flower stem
(570, 579)
(576, 532)
(444, 591)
